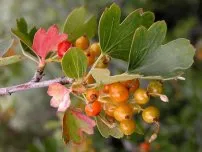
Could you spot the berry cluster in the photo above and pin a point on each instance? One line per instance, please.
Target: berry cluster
(121, 100)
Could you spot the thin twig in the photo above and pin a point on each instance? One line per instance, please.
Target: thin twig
(32, 84)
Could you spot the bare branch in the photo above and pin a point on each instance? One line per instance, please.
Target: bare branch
(33, 84)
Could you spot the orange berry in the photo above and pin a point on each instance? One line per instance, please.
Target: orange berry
(93, 109)
(127, 127)
(131, 85)
(106, 88)
(144, 147)
(90, 58)
(90, 80)
(141, 96)
(82, 42)
(109, 109)
(123, 112)
(103, 62)
(118, 93)
(95, 49)
(92, 95)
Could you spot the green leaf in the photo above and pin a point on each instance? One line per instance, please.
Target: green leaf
(5, 45)
(102, 76)
(74, 124)
(50, 145)
(78, 23)
(139, 129)
(10, 60)
(107, 131)
(149, 58)
(25, 36)
(74, 63)
(115, 37)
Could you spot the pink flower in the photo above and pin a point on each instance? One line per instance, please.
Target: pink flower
(60, 96)
(45, 42)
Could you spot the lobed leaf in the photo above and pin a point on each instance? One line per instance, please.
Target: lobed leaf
(78, 23)
(149, 58)
(25, 36)
(5, 45)
(74, 63)
(74, 124)
(107, 131)
(115, 37)
(10, 60)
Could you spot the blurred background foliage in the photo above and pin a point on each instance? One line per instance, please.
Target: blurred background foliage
(29, 124)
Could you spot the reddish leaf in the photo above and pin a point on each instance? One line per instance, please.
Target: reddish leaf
(44, 42)
(60, 96)
(74, 124)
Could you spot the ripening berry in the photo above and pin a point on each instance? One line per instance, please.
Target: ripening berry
(127, 127)
(118, 93)
(103, 62)
(141, 96)
(109, 109)
(150, 114)
(93, 109)
(155, 87)
(92, 95)
(101, 65)
(90, 80)
(82, 42)
(90, 58)
(106, 88)
(63, 48)
(123, 112)
(144, 147)
(132, 85)
(95, 49)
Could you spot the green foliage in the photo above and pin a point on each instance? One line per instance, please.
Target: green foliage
(106, 130)
(5, 45)
(10, 60)
(115, 38)
(74, 123)
(149, 58)
(78, 23)
(74, 63)
(25, 36)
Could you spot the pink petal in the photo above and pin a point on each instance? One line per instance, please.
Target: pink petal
(55, 102)
(44, 42)
(60, 96)
(65, 103)
(57, 90)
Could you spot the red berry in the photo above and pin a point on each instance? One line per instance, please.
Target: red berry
(63, 47)
(145, 147)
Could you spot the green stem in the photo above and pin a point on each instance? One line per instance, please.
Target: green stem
(93, 66)
(78, 97)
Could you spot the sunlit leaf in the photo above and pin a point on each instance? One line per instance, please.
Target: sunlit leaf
(5, 45)
(25, 36)
(74, 63)
(149, 58)
(10, 60)
(106, 130)
(79, 22)
(115, 37)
